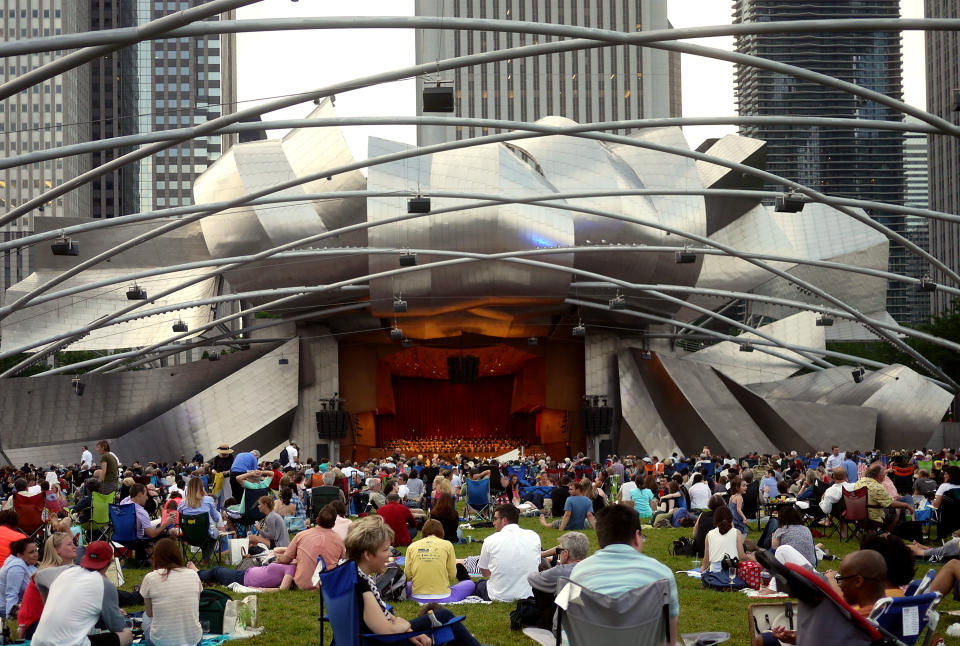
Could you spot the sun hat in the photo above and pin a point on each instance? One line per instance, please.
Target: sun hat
(224, 448)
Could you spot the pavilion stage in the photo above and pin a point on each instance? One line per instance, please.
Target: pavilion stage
(529, 392)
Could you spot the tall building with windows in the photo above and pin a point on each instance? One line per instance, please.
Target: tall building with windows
(53, 113)
(943, 79)
(849, 162)
(604, 84)
(917, 228)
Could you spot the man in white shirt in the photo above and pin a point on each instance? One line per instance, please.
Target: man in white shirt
(625, 490)
(292, 455)
(699, 492)
(835, 459)
(834, 492)
(507, 558)
(86, 459)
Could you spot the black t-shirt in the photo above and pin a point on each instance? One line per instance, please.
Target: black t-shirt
(559, 497)
(363, 585)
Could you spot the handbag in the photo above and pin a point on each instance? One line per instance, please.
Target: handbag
(238, 549)
(721, 581)
(749, 572)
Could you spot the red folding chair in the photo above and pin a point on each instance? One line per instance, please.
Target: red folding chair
(856, 513)
(30, 515)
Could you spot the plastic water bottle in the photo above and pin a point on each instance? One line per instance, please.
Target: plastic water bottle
(433, 619)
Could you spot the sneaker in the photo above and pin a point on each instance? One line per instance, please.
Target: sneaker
(239, 588)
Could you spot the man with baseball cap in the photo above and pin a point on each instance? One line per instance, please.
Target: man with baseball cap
(76, 597)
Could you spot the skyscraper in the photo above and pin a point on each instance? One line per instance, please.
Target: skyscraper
(606, 84)
(848, 162)
(943, 78)
(917, 229)
(53, 113)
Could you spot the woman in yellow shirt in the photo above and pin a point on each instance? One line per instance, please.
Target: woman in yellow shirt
(431, 567)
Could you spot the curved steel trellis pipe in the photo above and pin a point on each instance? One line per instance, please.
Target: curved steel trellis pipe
(296, 292)
(859, 316)
(158, 28)
(203, 28)
(595, 38)
(302, 255)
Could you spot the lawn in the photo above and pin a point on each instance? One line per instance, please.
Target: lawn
(291, 617)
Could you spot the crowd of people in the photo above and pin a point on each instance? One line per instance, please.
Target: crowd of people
(301, 512)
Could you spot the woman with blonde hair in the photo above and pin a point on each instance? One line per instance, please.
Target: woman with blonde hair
(197, 502)
(58, 550)
(368, 544)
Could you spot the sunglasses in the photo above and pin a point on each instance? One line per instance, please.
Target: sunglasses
(838, 578)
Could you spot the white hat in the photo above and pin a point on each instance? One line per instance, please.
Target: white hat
(647, 460)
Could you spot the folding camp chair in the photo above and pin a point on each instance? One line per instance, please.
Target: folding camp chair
(30, 516)
(339, 608)
(920, 586)
(98, 528)
(906, 618)
(814, 463)
(195, 533)
(856, 513)
(249, 509)
(478, 506)
(321, 496)
(948, 516)
(123, 518)
(639, 616)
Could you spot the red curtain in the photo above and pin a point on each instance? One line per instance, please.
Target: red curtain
(433, 407)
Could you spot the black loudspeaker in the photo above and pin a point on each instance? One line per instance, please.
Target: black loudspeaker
(597, 420)
(438, 99)
(453, 368)
(332, 424)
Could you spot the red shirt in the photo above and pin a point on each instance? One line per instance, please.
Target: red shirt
(399, 518)
(31, 607)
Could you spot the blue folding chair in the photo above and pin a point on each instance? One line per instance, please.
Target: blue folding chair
(520, 472)
(814, 463)
(478, 505)
(920, 586)
(124, 521)
(891, 614)
(339, 608)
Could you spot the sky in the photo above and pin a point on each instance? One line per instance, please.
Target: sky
(277, 63)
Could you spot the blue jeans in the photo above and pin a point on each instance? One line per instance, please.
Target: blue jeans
(461, 636)
(222, 575)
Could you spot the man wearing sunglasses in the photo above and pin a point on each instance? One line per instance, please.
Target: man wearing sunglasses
(619, 566)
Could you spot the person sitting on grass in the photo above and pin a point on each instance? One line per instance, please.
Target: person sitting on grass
(644, 498)
(264, 578)
(272, 530)
(431, 568)
(577, 509)
(171, 598)
(319, 542)
(723, 540)
(368, 544)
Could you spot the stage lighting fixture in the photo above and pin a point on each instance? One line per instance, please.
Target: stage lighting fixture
(746, 347)
(927, 284)
(788, 203)
(180, 326)
(213, 356)
(406, 343)
(438, 99)
(618, 302)
(78, 386)
(283, 361)
(858, 374)
(824, 321)
(64, 246)
(396, 334)
(418, 204)
(136, 293)
(408, 259)
(685, 257)
(646, 355)
(399, 305)
(532, 340)
(579, 330)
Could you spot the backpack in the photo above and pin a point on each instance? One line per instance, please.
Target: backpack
(213, 604)
(392, 583)
(683, 546)
(679, 514)
(284, 457)
(525, 614)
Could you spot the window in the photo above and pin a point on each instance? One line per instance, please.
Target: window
(185, 54)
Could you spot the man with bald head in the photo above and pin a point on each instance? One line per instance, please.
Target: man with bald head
(861, 581)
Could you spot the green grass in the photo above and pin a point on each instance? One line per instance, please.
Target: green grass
(291, 617)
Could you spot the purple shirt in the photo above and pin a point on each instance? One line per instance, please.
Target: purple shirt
(143, 518)
(268, 576)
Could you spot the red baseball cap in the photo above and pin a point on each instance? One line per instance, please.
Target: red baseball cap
(97, 556)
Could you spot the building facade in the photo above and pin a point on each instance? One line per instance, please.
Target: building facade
(917, 228)
(53, 113)
(856, 162)
(604, 84)
(943, 78)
